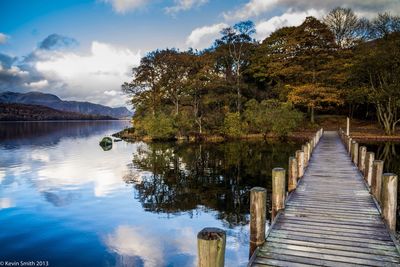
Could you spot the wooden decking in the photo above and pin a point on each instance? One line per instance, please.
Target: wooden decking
(330, 220)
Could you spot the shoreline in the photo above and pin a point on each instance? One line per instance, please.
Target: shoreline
(305, 134)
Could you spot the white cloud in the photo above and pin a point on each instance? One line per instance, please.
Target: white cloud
(183, 5)
(266, 27)
(130, 241)
(203, 37)
(3, 38)
(6, 203)
(2, 175)
(111, 93)
(86, 77)
(38, 85)
(123, 6)
(255, 8)
(13, 71)
(251, 9)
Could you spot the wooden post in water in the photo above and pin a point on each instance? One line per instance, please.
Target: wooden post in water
(211, 247)
(300, 163)
(311, 145)
(258, 211)
(308, 151)
(369, 160)
(362, 152)
(278, 190)
(354, 152)
(305, 150)
(389, 199)
(349, 145)
(376, 184)
(348, 126)
(292, 174)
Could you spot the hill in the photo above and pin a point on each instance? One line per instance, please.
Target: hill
(22, 112)
(53, 101)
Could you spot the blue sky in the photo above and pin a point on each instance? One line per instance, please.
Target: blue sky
(84, 49)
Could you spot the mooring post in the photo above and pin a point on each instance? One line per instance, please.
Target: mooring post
(258, 211)
(362, 152)
(211, 247)
(369, 160)
(311, 145)
(278, 190)
(389, 199)
(305, 150)
(300, 163)
(309, 151)
(349, 145)
(354, 152)
(292, 174)
(348, 126)
(376, 184)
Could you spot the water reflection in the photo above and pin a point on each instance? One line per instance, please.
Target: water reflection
(111, 208)
(182, 177)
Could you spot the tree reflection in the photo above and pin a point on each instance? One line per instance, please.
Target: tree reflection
(184, 177)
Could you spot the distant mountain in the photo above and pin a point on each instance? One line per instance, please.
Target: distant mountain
(53, 101)
(23, 112)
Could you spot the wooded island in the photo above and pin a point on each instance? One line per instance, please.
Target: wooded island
(341, 64)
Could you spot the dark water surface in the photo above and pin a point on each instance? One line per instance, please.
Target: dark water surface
(65, 200)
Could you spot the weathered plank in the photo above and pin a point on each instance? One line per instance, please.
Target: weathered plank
(330, 219)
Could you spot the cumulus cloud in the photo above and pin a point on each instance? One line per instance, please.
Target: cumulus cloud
(54, 68)
(3, 38)
(251, 9)
(37, 85)
(87, 76)
(265, 27)
(256, 8)
(203, 37)
(183, 5)
(123, 6)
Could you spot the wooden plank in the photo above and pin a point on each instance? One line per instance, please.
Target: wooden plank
(341, 247)
(319, 256)
(334, 252)
(389, 247)
(339, 231)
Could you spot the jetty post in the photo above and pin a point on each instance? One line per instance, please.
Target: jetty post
(389, 199)
(376, 183)
(211, 244)
(278, 190)
(258, 211)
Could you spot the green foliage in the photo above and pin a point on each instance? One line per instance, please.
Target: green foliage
(158, 127)
(272, 116)
(233, 126)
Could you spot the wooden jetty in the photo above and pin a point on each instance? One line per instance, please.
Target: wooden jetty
(331, 218)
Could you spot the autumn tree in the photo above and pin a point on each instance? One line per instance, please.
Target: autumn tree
(315, 96)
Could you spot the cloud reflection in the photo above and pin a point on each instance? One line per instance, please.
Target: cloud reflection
(130, 242)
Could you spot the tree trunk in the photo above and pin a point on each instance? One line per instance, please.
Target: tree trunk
(312, 115)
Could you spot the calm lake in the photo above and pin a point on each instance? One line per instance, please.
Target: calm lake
(65, 200)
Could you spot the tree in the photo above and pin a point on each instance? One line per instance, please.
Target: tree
(145, 89)
(234, 47)
(271, 116)
(345, 26)
(314, 96)
(383, 25)
(377, 68)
